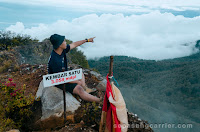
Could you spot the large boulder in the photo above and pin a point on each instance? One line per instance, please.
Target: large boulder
(97, 75)
(53, 103)
(53, 107)
(102, 85)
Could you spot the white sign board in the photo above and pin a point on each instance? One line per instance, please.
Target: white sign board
(62, 77)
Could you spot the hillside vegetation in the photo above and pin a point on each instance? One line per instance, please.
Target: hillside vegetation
(160, 91)
(20, 54)
(17, 49)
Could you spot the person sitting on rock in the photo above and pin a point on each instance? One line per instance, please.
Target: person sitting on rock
(58, 61)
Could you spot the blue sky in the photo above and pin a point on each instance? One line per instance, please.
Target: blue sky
(127, 26)
(32, 13)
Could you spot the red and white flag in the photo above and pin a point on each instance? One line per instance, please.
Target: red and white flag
(114, 115)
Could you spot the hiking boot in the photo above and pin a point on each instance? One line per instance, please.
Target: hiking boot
(88, 90)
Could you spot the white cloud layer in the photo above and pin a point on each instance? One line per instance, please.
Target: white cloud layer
(148, 36)
(114, 5)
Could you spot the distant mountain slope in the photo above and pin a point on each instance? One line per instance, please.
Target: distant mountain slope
(171, 87)
(193, 57)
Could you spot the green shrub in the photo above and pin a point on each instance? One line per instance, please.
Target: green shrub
(13, 106)
(5, 66)
(91, 113)
(9, 40)
(79, 58)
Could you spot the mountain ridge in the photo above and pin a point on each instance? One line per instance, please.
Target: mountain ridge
(174, 82)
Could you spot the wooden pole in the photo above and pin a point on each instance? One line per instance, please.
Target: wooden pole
(64, 99)
(103, 114)
(64, 103)
(111, 67)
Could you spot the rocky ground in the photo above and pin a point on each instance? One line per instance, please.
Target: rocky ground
(85, 119)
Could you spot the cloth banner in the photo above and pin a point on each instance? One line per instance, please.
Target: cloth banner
(114, 114)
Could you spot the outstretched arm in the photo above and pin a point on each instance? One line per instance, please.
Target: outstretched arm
(78, 43)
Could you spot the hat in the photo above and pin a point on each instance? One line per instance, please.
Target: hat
(56, 40)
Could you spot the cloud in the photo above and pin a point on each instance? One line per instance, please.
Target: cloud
(114, 5)
(149, 36)
(19, 27)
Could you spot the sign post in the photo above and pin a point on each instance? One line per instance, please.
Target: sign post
(62, 78)
(64, 99)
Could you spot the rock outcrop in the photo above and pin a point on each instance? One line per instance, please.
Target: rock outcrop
(48, 106)
(52, 101)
